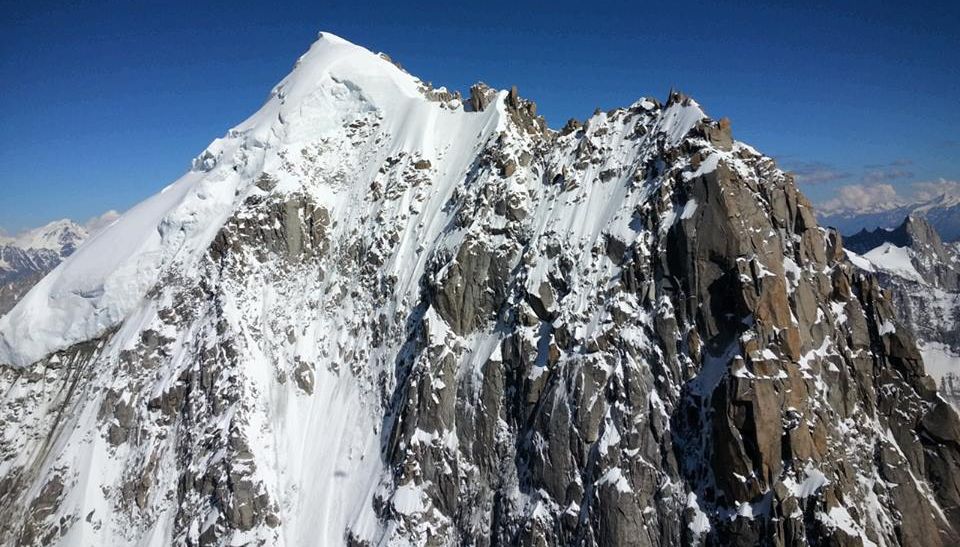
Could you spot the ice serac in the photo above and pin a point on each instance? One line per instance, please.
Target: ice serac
(378, 314)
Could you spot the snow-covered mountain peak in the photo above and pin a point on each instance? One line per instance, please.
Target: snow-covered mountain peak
(28, 256)
(378, 313)
(923, 276)
(342, 108)
(337, 81)
(679, 118)
(61, 236)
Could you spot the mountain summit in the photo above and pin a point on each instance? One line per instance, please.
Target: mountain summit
(27, 257)
(379, 313)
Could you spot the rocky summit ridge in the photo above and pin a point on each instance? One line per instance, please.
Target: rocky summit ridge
(376, 313)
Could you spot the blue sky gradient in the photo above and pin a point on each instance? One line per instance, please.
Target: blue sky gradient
(105, 102)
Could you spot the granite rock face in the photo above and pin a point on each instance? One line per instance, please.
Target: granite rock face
(635, 334)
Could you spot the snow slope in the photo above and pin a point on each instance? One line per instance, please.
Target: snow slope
(100, 285)
(896, 260)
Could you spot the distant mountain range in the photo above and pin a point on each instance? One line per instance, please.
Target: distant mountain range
(942, 212)
(28, 256)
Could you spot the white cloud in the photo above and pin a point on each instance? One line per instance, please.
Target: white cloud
(818, 172)
(862, 197)
(97, 223)
(926, 191)
(871, 198)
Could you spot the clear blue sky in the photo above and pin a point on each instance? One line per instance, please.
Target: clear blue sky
(104, 103)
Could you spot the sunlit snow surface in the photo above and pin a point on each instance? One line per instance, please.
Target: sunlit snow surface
(894, 259)
(107, 278)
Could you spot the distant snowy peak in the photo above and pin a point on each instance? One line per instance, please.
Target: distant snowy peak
(62, 236)
(928, 201)
(27, 257)
(914, 232)
(913, 245)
